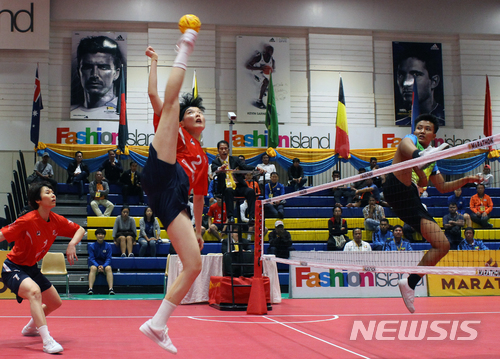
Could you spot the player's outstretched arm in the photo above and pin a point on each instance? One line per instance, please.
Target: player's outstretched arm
(444, 187)
(71, 251)
(154, 97)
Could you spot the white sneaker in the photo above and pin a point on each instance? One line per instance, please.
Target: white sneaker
(52, 347)
(30, 331)
(160, 337)
(407, 293)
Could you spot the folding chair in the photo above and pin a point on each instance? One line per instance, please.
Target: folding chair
(55, 264)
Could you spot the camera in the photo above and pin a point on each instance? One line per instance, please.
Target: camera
(231, 116)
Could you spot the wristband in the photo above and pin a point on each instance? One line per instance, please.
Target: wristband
(415, 154)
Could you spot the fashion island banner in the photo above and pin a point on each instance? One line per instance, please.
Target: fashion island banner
(245, 135)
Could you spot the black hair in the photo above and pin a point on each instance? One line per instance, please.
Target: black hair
(221, 142)
(125, 206)
(274, 173)
(34, 193)
(240, 156)
(340, 207)
(264, 154)
(452, 204)
(428, 117)
(384, 220)
(424, 53)
(397, 226)
(480, 184)
(335, 172)
(296, 160)
(187, 100)
(95, 44)
(152, 215)
(131, 163)
(469, 229)
(77, 152)
(361, 170)
(354, 230)
(100, 231)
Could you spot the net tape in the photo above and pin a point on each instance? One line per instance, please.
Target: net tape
(454, 151)
(373, 262)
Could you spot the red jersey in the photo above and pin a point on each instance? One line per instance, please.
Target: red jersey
(216, 213)
(194, 160)
(156, 120)
(34, 236)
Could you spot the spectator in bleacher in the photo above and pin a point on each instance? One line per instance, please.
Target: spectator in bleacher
(131, 181)
(78, 172)
(217, 218)
(363, 195)
(275, 209)
(373, 165)
(384, 234)
(397, 243)
(280, 241)
(268, 168)
(44, 172)
(337, 230)
(487, 176)
(100, 261)
(296, 175)
(212, 186)
(459, 200)
(341, 191)
(149, 233)
(112, 168)
(453, 223)
(469, 243)
(237, 185)
(357, 244)
(357, 185)
(125, 232)
(373, 214)
(252, 183)
(99, 191)
(481, 206)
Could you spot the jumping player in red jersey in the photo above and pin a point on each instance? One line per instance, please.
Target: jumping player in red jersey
(175, 166)
(34, 234)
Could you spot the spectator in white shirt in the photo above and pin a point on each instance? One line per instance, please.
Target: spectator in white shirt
(357, 244)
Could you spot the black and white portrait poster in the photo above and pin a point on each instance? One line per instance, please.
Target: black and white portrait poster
(423, 63)
(96, 71)
(256, 59)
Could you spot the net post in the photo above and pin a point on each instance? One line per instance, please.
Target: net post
(257, 300)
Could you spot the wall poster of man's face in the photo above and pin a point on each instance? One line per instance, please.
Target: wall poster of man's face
(96, 71)
(423, 63)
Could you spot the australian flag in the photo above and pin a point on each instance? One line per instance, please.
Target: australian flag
(35, 114)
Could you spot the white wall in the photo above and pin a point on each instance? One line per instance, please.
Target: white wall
(326, 38)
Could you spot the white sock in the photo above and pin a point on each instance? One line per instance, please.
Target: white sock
(186, 47)
(44, 333)
(160, 318)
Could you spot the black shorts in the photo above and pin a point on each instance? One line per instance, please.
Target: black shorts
(13, 275)
(405, 202)
(167, 187)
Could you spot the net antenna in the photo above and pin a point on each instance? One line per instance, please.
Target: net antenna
(343, 261)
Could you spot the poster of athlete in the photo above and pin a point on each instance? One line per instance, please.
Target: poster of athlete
(96, 70)
(256, 59)
(423, 63)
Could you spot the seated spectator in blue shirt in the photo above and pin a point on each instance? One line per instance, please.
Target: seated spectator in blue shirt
(274, 189)
(380, 237)
(459, 200)
(398, 243)
(453, 223)
(469, 243)
(100, 261)
(210, 194)
(365, 193)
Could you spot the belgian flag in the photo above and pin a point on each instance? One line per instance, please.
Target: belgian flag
(342, 134)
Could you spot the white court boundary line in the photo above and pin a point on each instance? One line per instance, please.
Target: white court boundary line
(318, 339)
(204, 319)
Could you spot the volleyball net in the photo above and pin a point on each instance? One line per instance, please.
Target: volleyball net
(462, 262)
